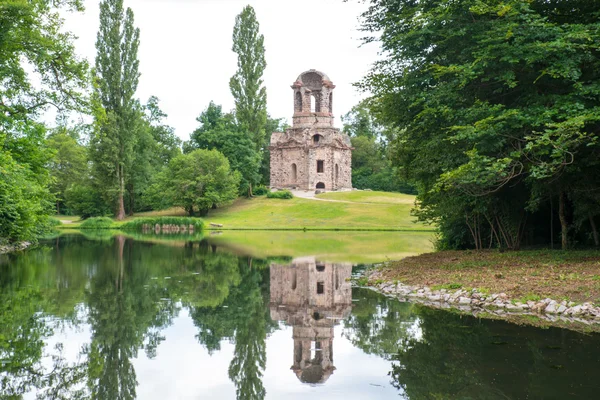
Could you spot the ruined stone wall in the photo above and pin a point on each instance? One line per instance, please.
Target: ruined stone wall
(282, 175)
(296, 146)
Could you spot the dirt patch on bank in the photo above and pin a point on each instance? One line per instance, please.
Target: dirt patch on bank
(523, 275)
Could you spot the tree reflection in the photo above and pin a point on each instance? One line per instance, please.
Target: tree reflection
(437, 354)
(243, 318)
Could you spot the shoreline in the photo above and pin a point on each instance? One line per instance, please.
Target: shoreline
(565, 293)
(68, 227)
(11, 248)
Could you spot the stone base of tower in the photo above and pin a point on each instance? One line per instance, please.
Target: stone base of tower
(299, 161)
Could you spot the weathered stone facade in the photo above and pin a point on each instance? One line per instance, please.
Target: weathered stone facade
(312, 154)
(312, 297)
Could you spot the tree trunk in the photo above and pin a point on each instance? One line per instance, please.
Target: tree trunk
(563, 220)
(57, 207)
(121, 211)
(594, 231)
(131, 200)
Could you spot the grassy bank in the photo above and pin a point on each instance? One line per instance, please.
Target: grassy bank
(369, 211)
(352, 211)
(522, 275)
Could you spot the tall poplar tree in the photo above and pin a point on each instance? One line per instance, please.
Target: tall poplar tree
(247, 84)
(117, 79)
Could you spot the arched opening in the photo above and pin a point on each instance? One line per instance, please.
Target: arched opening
(320, 267)
(298, 102)
(317, 102)
(312, 103)
(294, 173)
(331, 102)
(320, 185)
(337, 174)
(317, 138)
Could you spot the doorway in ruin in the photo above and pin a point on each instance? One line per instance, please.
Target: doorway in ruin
(320, 185)
(337, 175)
(294, 173)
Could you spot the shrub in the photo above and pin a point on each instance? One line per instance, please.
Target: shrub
(86, 201)
(280, 194)
(261, 191)
(140, 223)
(97, 223)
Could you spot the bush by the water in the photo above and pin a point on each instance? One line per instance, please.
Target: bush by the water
(97, 223)
(280, 194)
(140, 224)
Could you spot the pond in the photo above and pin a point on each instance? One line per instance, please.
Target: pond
(113, 317)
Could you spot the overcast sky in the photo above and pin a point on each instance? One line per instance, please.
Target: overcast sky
(186, 59)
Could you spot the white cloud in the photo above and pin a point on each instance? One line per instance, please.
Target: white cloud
(186, 58)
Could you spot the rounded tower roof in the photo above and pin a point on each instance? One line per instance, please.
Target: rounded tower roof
(314, 80)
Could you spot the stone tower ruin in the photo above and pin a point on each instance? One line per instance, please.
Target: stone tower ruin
(312, 154)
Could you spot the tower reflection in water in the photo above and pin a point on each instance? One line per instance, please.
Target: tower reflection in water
(312, 297)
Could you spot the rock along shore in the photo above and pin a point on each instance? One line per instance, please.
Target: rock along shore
(9, 248)
(497, 305)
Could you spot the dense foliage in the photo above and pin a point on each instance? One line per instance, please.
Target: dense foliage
(496, 108)
(38, 70)
(197, 182)
(371, 164)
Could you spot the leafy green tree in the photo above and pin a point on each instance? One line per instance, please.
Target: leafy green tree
(167, 144)
(221, 132)
(496, 106)
(247, 84)
(38, 70)
(68, 166)
(371, 164)
(199, 180)
(155, 146)
(117, 122)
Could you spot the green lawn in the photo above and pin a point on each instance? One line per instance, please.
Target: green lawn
(356, 210)
(361, 196)
(384, 211)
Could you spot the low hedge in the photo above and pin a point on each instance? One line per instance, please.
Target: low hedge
(97, 223)
(280, 194)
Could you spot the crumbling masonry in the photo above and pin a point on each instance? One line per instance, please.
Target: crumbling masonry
(312, 154)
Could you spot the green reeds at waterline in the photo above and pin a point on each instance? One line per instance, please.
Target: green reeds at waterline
(165, 225)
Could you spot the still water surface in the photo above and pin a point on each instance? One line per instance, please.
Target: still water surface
(118, 318)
